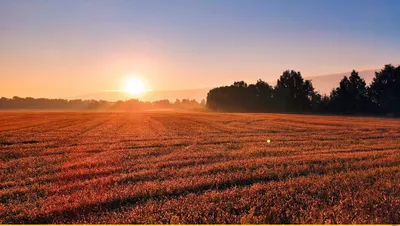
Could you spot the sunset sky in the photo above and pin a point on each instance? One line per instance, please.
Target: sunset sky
(69, 48)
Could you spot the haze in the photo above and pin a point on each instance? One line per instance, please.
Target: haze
(73, 48)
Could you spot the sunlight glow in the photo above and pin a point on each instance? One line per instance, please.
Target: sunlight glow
(134, 86)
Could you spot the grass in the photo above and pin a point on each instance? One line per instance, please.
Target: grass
(168, 167)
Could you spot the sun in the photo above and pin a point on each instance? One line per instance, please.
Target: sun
(134, 86)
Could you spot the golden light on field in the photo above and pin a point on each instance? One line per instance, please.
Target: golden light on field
(134, 86)
(208, 175)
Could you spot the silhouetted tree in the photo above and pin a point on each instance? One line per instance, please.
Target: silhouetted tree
(292, 93)
(240, 84)
(385, 90)
(320, 103)
(62, 104)
(237, 97)
(264, 96)
(351, 96)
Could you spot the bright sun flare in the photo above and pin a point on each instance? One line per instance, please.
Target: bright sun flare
(134, 86)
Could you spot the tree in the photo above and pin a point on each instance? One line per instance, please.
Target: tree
(264, 96)
(385, 90)
(240, 84)
(177, 102)
(320, 103)
(351, 96)
(292, 93)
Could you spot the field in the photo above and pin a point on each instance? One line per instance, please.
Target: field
(168, 167)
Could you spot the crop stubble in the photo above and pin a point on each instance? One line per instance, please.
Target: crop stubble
(170, 167)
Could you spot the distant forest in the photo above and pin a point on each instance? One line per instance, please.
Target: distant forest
(29, 103)
(295, 95)
(292, 94)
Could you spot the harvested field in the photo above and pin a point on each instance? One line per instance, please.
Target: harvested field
(168, 167)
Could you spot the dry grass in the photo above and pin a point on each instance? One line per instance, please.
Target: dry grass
(166, 167)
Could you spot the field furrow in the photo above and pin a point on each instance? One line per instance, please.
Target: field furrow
(163, 167)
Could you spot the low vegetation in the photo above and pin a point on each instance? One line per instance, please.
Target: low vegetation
(167, 167)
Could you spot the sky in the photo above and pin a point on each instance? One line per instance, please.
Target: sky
(68, 48)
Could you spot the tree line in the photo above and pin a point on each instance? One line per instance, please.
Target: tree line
(294, 94)
(18, 103)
